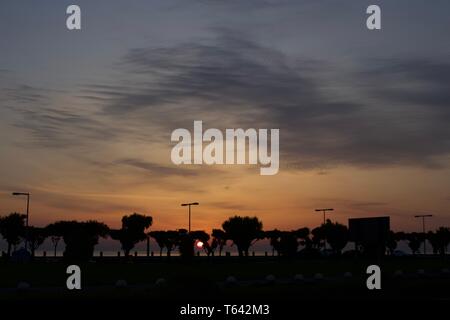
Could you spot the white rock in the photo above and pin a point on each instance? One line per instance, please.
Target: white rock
(348, 275)
(270, 278)
(231, 280)
(298, 277)
(160, 282)
(398, 273)
(318, 276)
(23, 286)
(121, 284)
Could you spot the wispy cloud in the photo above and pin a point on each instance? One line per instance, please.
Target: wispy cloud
(158, 169)
(228, 206)
(52, 125)
(232, 80)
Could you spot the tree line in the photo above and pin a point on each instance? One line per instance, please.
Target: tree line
(80, 238)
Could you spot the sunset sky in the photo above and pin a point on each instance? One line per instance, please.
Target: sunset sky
(86, 116)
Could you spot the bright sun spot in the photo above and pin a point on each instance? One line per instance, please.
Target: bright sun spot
(199, 244)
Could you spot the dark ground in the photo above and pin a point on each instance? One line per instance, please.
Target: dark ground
(202, 282)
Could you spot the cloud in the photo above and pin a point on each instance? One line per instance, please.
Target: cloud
(157, 169)
(368, 204)
(228, 206)
(52, 125)
(391, 112)
(26, 94)
(417, 81)
(233, 81)
(67, 205)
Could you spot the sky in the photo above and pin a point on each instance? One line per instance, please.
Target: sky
(86, 116)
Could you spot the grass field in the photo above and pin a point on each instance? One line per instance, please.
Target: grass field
(204, 279)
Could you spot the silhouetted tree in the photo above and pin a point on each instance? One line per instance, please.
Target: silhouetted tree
(36, 237)
(289, 241)
(302, 233)
(318, 237)
(171, 240)
(401, 236)
(288, 244)
(160, 238)
(185, 242)
(443, 235)
(391, 242)
(132, 231)
(220, 237)
(200, 235)
(337, 235)
(311, 240)
(274, 240)
(414, 241)
(55, 241)
(12, 228)
(439, 240)
(243, 231)
(80, 237)
(166, 239)
(210, 247)
(433, 240)
(204, 237)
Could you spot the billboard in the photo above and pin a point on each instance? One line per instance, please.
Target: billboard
(369, 231)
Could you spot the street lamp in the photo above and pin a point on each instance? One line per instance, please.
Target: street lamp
(189, 205)
(28, 214)
(324, 211)
(423, 216)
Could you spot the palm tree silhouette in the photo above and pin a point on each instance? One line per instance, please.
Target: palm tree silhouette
(12, 228)
(243, 231)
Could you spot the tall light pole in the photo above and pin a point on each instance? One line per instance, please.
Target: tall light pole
(423, 216)
(189, 205)
(28, 214)
(324, 212)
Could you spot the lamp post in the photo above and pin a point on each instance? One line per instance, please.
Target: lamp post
(189, 205)
(423, 216)
(28, 214)
(324, 212)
